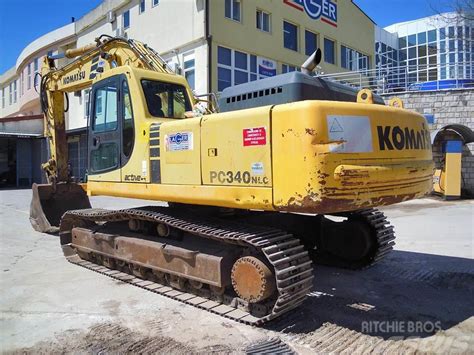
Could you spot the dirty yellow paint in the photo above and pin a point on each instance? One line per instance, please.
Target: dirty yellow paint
(281, 157)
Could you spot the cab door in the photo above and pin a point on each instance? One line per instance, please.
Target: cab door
(105, 131)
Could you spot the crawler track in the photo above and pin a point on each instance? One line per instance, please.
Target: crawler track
(291, 264)
(383, 232)
(383, 236)
(271, 346)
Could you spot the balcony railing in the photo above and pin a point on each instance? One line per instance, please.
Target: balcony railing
(390, 80)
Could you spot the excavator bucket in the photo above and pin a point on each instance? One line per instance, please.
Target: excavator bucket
(50, 203)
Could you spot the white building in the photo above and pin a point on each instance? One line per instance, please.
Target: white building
(437, 49)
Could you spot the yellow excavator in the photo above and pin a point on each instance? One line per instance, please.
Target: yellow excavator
(249, 191)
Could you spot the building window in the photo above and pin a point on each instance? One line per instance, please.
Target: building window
(263, 21)
(241, 68)
(35, 71)
(287, 68)
(422, 38)
(232, 9)
(29, 76)
(402, 42)
(141, 6)
(311, 42)
(431, 36)
(451, 45)
(224, 70)
(10, 92)
(290, 36)
(451, 32)
(329, 49)
(354, 60)
(346, 57)
(14, 91)
(155, 2)
(21, 83)
(126, 19)
(189, 72)
(235, 67)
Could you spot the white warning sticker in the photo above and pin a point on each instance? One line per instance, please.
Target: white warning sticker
(349, 134)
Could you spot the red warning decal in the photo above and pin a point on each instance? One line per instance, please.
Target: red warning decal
(254, 136)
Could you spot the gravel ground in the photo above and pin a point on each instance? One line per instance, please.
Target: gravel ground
(418, 299)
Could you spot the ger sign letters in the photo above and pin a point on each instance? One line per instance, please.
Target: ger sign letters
(324, 9)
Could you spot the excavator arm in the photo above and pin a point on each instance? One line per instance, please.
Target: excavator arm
(50, 201)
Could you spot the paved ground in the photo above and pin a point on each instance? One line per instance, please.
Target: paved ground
(421, 298)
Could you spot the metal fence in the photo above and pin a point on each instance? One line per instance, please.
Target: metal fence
(390, 80)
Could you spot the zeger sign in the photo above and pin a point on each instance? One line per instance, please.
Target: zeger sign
(324, 9)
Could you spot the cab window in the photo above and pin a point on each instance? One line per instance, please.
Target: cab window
(166, 99)
(127, 129)
(105, 113)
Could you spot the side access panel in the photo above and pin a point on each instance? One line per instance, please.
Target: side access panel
(180, 152)
(236, 148)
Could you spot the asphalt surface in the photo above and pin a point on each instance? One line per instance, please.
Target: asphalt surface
(419, 299)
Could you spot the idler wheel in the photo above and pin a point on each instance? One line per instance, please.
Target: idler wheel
(252, 279)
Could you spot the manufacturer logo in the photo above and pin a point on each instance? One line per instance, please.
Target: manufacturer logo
(396, 137)
(74, 77)
(178, 138)
(326, 10)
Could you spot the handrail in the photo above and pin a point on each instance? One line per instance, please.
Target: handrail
(388, 80)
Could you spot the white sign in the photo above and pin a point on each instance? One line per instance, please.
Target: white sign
(266, 67)
(349, 134)
(179, 141)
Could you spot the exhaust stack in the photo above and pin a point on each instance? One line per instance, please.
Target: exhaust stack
(311, 63)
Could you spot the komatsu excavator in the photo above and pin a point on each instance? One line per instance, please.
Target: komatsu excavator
(249, 191)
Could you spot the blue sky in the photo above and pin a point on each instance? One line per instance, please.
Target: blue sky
(387, 12)
(37, 17)
(22, 21)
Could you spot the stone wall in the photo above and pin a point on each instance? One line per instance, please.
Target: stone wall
(448, 107)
